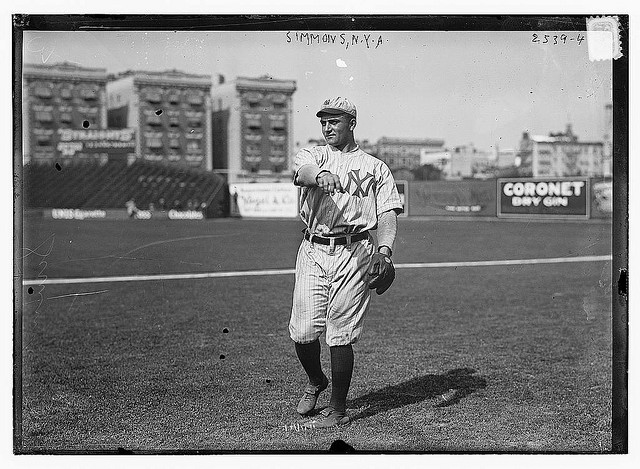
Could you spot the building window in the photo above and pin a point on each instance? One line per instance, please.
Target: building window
(277, 138)
(89, 94)
(65, 93)
(43, 141)
(253, 137)
(66, 117)
(195, 99)
(253, 150)
(194, 160)
(193, 146)
(152, 97)
(278, 125)
(174, 143)
(154, 143)
(44, 116)
(253, 97)
(153, 120)
(279, 105)
(277, 150)
(254, 124)
(277, 159)
(43, 92)
(87, 110)
(278, 98)
(174, 122)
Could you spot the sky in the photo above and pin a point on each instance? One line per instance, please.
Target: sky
(483, 88)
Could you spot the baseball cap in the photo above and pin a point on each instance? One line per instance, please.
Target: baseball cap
(337, 105)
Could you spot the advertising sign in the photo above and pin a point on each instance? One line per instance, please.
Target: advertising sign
(601, 199)
(544, 198)
(72, 141)
(264, 200)
(403, 192)
(469, 198)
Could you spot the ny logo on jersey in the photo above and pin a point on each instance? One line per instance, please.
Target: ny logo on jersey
(362, 185)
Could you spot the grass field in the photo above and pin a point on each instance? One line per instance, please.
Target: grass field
(208, 365)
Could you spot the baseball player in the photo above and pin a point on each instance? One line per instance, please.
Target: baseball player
(346, 193)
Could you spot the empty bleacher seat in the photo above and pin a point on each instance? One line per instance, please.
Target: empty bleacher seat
(110, 185)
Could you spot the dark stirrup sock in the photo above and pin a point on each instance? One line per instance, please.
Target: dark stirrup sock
(341, 371)
(309, 356)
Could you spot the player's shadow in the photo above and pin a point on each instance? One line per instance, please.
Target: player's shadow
(446, 389)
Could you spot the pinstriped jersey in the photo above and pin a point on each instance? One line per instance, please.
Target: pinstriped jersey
(369, 191)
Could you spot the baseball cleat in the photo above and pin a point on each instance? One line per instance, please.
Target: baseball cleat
(328, 418)
(310, 397)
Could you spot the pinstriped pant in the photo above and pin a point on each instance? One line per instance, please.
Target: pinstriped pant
(331, 292)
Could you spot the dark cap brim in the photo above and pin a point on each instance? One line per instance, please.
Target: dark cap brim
(332, 111)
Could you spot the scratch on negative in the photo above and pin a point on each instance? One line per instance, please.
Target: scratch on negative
(75, 295)
(165, 241)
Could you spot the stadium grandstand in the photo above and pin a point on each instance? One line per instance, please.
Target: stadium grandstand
(153, 186)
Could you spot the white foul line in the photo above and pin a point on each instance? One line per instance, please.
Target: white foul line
(254, 273)
(551, 260)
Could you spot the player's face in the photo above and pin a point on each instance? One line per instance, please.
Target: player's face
(337, 129)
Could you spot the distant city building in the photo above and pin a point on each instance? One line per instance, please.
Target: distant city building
(406, 152)
(465, 161)
(171, 112)
(504, 158)
(439, 159)
(365, 145)
(368, 147)
(56, 98)
(253, 128)
(561, 154)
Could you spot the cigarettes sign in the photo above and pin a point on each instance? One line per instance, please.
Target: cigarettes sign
(544, 198)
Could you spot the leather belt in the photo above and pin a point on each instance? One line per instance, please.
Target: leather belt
(337, 239)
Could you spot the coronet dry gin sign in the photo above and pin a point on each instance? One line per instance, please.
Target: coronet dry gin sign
(551, 198)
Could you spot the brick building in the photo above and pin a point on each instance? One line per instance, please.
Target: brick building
(56, 99)
(252, 128)
(170, 111)
(405, 152)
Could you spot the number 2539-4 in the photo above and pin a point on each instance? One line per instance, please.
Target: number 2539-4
(556, 38)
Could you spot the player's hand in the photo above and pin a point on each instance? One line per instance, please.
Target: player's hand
(329, 183)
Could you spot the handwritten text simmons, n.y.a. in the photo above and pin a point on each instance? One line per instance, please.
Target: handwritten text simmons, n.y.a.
(346, 40)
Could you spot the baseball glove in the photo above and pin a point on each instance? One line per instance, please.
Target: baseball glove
(381, 272)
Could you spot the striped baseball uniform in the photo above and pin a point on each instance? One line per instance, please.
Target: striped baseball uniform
(331, 290)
